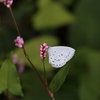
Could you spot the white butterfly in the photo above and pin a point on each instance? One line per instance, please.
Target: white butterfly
(60, 55)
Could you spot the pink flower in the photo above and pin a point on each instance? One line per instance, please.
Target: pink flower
(21, 67)
(15, 58)
(20, 64)
(8, 3)
(19, 41)
(43, 50)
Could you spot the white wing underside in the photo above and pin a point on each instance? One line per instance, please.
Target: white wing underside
(60, 55)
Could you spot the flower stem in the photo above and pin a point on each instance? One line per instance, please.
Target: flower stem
(14, 21)
(24, 51)
(45, 79)
(43, 82)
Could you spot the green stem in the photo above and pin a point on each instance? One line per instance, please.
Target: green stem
(45, 79)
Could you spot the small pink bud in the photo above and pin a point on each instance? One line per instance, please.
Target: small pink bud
(44, 55)
(41, 49)
(44, 44)
(46, 47)
(41, 52)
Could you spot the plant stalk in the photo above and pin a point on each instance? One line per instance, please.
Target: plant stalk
(24, 51)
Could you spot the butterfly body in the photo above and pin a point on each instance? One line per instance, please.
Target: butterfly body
(60, 55)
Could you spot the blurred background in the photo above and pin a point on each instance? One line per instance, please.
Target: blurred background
(73, 23)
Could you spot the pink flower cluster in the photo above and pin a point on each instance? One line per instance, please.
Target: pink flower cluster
(21, 67)
(43, 50)
(20, 63)
(19, 41)
(15, 58)
(8, 3)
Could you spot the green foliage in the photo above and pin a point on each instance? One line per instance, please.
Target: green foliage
(86, 31)
(9, 78)
(90, 81)
(87, 63)
(51, 15)
(59, 78)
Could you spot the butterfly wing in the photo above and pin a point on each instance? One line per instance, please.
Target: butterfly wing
(59, 55)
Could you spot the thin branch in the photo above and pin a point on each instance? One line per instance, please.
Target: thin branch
(24, 51)
(45, 79)
(14, 21)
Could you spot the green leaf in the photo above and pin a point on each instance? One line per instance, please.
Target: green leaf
(51, 15)
(59, 78)
(9, 78)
